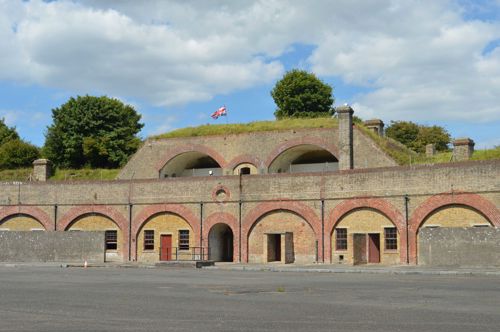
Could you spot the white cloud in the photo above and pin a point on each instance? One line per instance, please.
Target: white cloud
(422, 60)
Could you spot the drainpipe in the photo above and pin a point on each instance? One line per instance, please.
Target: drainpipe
(240, 203)
(201, 225)
(55, 217)
(407, 200)
(130, 206)
(323, 230)
(239, 239)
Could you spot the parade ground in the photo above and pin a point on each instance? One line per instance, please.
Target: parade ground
(51, 298)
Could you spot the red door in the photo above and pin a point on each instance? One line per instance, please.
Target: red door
(373, 248)
(166, 247)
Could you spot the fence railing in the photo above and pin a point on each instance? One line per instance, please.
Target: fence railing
(183, 254)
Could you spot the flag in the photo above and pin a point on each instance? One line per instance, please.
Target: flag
(220, 112)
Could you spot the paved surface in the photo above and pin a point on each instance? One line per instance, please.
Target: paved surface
(182, 299)
(377, 268)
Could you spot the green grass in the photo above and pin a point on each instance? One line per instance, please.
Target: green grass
(400, 153)
(238, 128)
(20, 174)
(85, 174)
(487, 154)
(446, 157)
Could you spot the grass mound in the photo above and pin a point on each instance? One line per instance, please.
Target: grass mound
(239, 128)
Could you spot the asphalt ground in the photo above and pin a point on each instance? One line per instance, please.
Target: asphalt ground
(185, 299)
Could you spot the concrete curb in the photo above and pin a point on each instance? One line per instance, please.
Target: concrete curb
(263, 268)
(362, 270)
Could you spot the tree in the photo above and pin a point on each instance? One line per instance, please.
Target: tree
(416, 137)
(405, 132)
(7, 133)
(302, 94)
(17, 153)
(92, 131)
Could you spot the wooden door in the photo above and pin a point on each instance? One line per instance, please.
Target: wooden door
(359, 249)
(373, 248)
(166, 247)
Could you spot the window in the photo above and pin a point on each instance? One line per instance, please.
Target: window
(391, 238)
(110, 238)
(245, 170)
(341, 239)
(149, 240)
(183, 240)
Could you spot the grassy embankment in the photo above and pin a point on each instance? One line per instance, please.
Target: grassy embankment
(396, 150)
(23, 174)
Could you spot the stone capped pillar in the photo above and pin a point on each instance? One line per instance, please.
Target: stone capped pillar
(346, 155)
(430, 150)
(42, 169)
(375, 125)
(463, 149)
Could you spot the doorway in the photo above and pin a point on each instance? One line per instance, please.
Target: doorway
(373, 248)
(366, 248)
(220, 243)
(274, 247)
(166, 247)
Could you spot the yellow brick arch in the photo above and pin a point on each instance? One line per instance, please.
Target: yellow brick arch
(365, 220)
(455, 215)
(162, 223)
(21, 222)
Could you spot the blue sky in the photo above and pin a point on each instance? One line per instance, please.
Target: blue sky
(432, 62)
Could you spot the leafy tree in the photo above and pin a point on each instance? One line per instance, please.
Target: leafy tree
(92, 131)
(7, 133)
(302, 94)
(416, 137)
(432, 135)
(17, 153)
(405, 132)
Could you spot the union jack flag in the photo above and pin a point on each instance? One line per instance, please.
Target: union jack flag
(220, 112)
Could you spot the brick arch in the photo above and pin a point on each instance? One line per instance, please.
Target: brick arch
(106, 211)
(172, 153)
(245, 158)
(301, 141)
(264, 208)
(31, 211)
(380, 205)
(474, 201)
(145, 214)
(223, 218)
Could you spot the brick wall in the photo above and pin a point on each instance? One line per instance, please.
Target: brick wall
(429, 187)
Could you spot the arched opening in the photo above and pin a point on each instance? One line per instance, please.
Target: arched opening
(112, 233)
(304, 158)
(220, 243)
(21, 222)
(191, 163)
(245, 169)
(282, 236)
(363, 236)
(165, 236)
(455, 216)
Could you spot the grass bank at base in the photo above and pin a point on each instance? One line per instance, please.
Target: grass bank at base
(25, 174)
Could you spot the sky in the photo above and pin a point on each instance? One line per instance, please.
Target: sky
(434, 62)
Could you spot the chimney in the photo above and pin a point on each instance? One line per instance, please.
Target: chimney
(42, 169)
(346, 157)
(375, 125)
(462, 149)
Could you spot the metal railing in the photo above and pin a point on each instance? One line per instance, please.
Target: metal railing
(183, 254)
